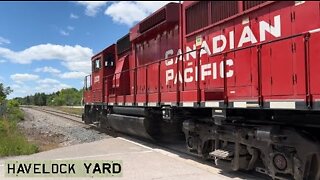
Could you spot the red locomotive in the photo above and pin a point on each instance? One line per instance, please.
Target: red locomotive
(238, 78)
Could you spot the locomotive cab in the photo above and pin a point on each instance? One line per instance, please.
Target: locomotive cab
(118, 83)
(103, 64)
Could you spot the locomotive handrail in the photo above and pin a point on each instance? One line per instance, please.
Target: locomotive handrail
(224, 53)
(212, 55)
(85, 87)
(258, 46)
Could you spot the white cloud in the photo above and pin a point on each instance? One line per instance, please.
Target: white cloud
(46, 85)
(73, 75)
(92, 7)
(129, 12)
(2, 61)
(70, 28)
(15, 86)
(22, 90)
(4, 41)
(1, 78)
(24, 77)
(48, 81)
(80, 66)
(75, 58)
(47, 69)
(73, 16)
(67, 31)
(124, 12)
(50, 88)
(64, 33)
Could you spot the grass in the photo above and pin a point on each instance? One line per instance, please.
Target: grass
(12, 142)
(77, 111)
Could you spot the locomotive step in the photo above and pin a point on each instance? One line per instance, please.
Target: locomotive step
(221, 154)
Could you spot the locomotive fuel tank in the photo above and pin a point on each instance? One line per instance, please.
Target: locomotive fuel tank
(145, 123)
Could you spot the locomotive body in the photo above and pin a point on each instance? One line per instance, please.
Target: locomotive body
(237, 80)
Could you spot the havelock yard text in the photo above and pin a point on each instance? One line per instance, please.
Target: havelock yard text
(59, 168)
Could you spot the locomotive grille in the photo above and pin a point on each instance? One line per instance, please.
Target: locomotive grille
(197, 16)
(152, 21)
(251, 4)
(223, 9)
(123, 44)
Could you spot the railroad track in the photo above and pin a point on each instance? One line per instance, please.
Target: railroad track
(177, 149)
(71, 117)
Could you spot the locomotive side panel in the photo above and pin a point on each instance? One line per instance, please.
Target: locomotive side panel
(261, 51)
(151, 39)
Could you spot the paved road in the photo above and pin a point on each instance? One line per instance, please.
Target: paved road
(140, 161)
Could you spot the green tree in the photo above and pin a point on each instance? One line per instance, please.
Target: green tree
(43, 99)
(4, 92)
(36, 99)
(28, 100)
(69, 97)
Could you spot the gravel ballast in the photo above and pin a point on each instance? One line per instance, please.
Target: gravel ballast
(49, 131)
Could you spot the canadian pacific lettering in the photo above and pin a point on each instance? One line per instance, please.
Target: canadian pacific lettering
(218, 44)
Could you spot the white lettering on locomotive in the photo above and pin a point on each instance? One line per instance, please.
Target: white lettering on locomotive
(247, 36)
(190, 74)
(215, 47)
(218, 45)
(266, 27)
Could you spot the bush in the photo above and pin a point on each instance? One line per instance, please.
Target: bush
(13, 104)
(12, 142)
(13, 112)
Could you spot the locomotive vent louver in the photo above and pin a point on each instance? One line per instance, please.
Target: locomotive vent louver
(251, 4)
(221, 10)
(123, 44)
(197, 14)
(152, 21)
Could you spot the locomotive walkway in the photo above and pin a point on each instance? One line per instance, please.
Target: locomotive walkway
(140, 160)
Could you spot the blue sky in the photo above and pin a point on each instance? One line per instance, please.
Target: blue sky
(47, 46)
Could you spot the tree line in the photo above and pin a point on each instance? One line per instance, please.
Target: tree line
(64, 97)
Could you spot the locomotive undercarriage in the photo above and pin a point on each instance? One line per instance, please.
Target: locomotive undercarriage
(279, 151)
(233, 140)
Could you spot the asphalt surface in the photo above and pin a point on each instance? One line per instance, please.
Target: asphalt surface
(141, 161)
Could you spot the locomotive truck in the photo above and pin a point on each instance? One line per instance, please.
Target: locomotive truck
(238, 81)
